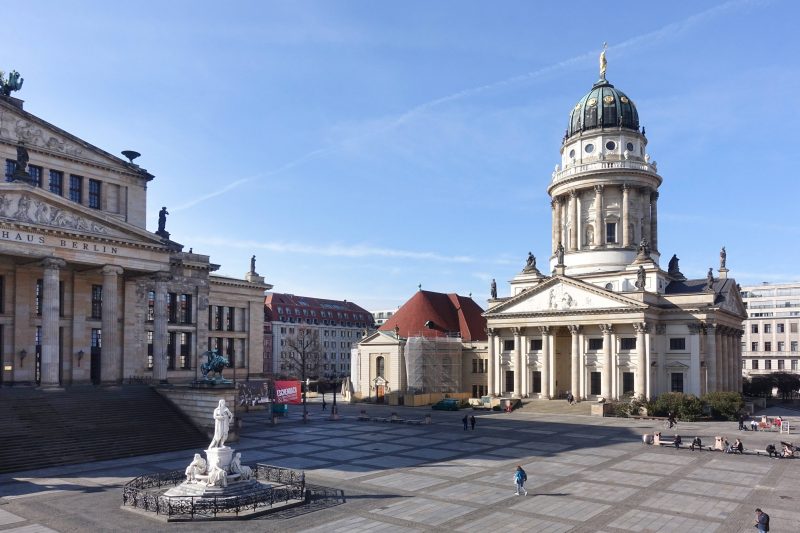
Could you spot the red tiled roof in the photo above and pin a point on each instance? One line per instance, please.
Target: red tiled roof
(295, 306)
(447, 313)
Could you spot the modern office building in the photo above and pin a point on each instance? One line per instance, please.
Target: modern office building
(772, 330)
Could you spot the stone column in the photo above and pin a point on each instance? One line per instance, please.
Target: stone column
(575, 359)
(599, 229)
(517, 363)
(640, 386)
(51, 313)
(111, 358)
(524, 377)
(498, 369)
(581, 392)
(626, 215)
(607, 363)
(573, 222)
(490, 369)
(711, 358)
(645, 197)
(692, 385)
(729, 357)
(654, 222)
(160, 327)
(738, 340)
(545, 361)
(724, 369)
(556, 215)
(560, 222)
(661, 361)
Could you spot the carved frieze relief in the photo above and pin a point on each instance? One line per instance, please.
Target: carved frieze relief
(21, 130)
(21, 208)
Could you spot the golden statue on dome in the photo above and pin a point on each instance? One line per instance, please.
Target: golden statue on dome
(603, 62)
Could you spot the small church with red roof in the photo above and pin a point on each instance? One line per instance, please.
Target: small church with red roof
(435, 343)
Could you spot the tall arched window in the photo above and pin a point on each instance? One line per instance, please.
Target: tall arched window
(379, 367)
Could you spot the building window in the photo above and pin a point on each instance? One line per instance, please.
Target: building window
(94, 194)
(76, 188)
(537, 382)
(11, 167)
(186, 354)
(676, 384)
(97, 338)
(754, 346)
(536, 345)
(508, 345)
(627, 383)
(218, 318)
(185, 309)
(379, 367)
(3, 296)
(768, 364)
(172, 307)
(97, 301)
(37, 304)
(595, 344)
(677, 344)
(627, 343)
(57, 182)
(230, 352)
(150, 350)
(781, 346)
(767, 328)
(171, 342)
(230, 319)
(151, 306)
(755, 364)
(780, 328)
(611, 232)
(794, 364)
(767, 346)
(793, 327)
(35, 174)
(480, 366)
(478, 391)
(792, 345)
(753, 328)
(781, 364)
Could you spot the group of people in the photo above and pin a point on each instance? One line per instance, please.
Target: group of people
(787, 450)
(468, 420)
(754, 424)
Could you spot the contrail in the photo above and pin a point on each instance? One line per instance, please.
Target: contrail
(646, 38)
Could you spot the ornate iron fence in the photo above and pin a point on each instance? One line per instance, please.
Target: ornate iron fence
(140, 493)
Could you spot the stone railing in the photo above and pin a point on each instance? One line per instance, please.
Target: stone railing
(603, 165)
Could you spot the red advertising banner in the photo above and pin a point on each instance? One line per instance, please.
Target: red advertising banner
(288, 392)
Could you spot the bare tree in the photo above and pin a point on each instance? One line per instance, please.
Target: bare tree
(303, 358)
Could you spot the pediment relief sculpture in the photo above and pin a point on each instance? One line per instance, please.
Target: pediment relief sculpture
(21, 130)
(23, 208)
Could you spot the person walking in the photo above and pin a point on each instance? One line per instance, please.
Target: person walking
(472, 422)
(762, 520)
(741, 422)
(520, 477)
(324, 405)
(465, 420)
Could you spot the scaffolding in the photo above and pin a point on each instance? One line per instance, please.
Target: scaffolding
(433, 364)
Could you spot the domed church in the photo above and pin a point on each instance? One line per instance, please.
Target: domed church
(607, 321)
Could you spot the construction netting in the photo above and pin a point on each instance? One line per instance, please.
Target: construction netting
(433, 364)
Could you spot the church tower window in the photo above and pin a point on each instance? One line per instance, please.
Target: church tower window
(611, 232)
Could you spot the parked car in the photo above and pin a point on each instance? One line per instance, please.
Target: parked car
(447, 404)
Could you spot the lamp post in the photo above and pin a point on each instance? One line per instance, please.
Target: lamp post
(334, 412)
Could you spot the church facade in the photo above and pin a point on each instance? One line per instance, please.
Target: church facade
(607, 321)
(87, 293)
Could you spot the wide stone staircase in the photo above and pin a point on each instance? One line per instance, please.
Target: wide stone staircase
(83, 424)
(556, 407)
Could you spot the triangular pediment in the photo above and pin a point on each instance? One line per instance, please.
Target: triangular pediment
(379, 337)
(34, 208)
(19, 126)
(561, 294)
(730, 299)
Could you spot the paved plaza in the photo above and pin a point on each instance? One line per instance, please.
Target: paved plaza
(584, 474)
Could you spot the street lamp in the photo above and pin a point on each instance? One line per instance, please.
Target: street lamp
(334, 377)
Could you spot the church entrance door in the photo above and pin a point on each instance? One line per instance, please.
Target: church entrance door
(95, 368)
(509, 381)
(379, 392)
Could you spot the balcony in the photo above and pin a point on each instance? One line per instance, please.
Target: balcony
(599, 165)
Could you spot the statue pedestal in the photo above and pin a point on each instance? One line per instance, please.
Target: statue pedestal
(224, 454)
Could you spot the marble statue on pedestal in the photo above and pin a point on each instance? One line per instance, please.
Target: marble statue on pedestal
(217, 476)
(245, 472)
(222, 422)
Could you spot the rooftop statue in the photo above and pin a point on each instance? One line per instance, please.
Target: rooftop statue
(253, 265)
(710, 280)
(530, 264)
(723, 257)
(494, 288)
(603, 61)
(12, 83)
(162, 220)
(641, 278)
(560, 254)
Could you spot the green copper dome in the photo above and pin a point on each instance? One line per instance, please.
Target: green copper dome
(603, 107)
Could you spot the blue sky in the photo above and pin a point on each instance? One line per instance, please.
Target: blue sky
(361, 148)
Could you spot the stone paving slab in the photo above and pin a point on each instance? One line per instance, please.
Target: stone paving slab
(636, 520)
(448, 470)
(725, 476)
(560, 507)
(32, 528)
(360, 524)
(7, 518)
(471, 493)
(380, 447)
(390, 461)
(623, 478)
(430, 453)
(728, 492)
(506, 479)
(598, 491)
(343, 455)
(692, 504)
(343, 472)
(424, 510)
(403, 481)
(645, 467)
(513, 523)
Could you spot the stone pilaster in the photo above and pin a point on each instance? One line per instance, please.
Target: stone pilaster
(640, 386)
(517, 363)
(559, 237)
(692, 383)
(525, 374)
(626, 215)
(575, 359)
(50, 320)
(545, 330)
(160, 327)
(111, 356)
(607, 362)
(555, 214)
(599, 230)
(661, 359)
